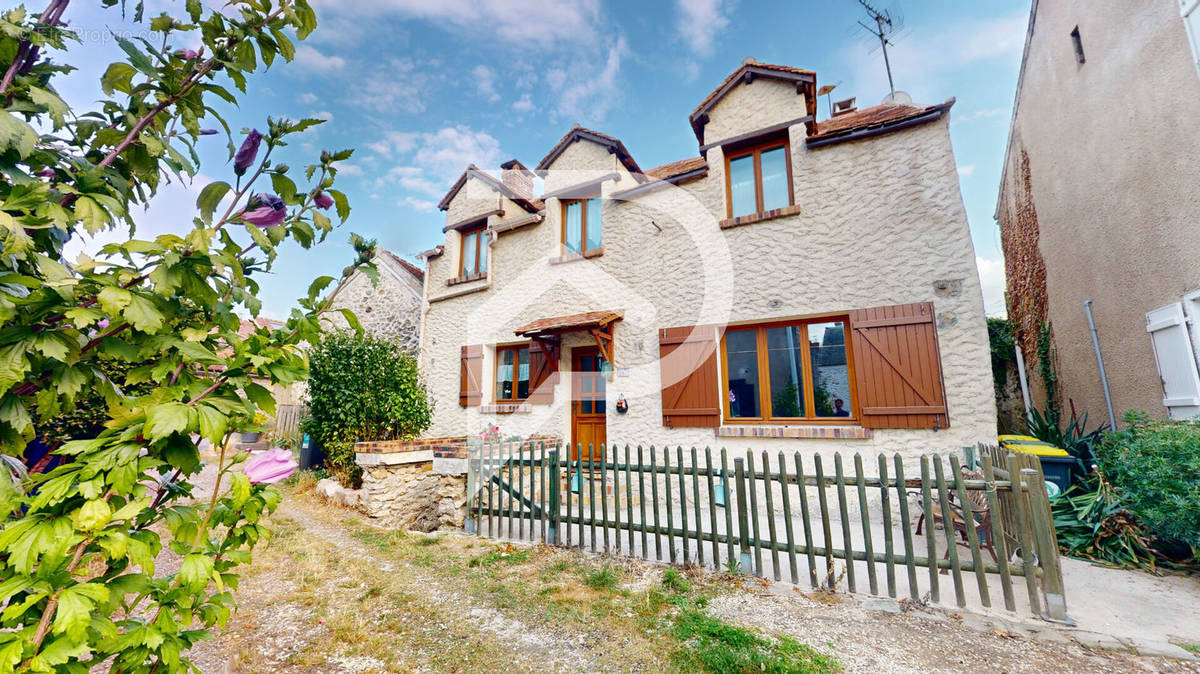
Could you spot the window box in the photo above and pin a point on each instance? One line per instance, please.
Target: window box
(730, 223)
(789, 372)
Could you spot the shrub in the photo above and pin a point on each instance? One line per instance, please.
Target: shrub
(361, 387)
(1155, 465)
(1079, 442)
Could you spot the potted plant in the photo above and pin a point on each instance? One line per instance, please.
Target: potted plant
(252, 434)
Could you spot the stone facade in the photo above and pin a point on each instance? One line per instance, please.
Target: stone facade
(413, 496)
(390, 309)
(876, 222)
(1098, 198)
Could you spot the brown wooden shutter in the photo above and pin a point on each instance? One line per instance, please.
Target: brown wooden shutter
(543, 374)
(470, 375)
(690, 387)
(897, 367)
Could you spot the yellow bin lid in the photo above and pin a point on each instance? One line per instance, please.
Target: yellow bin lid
(1038, 450)
(1018, 438)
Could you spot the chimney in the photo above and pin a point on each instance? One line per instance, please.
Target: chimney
(517, 178)
(844, 107)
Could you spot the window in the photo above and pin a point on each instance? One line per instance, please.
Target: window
(1190, 11)
(1078, 42)
(759, 179)
(512, 373)
(474, 252)
(582, 226)
(788, 372)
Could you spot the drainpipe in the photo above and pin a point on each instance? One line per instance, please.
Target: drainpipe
(1022, 379)
(1112, 419)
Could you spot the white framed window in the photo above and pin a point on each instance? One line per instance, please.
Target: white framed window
(1190, 11)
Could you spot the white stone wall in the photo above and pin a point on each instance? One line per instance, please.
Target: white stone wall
(750, 107)
(413, 496)
(391, 309)
(881, 221)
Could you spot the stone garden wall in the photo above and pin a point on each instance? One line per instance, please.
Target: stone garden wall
(419, 485)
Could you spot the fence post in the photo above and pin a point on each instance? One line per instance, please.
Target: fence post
(469, 524)
(552, 518)
(739, 471)
(1047, 545)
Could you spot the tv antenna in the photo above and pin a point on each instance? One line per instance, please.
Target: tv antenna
(885, 26)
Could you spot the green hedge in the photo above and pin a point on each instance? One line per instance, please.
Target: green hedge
(1155, 465)
(361, 387)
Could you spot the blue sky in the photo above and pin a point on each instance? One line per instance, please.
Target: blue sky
(422, 88)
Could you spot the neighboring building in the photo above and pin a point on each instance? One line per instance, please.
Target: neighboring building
(1099, 201)
(798, 285)
(390, 308)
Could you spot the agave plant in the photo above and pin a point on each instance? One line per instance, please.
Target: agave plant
(1093, 524)
(1079, 442)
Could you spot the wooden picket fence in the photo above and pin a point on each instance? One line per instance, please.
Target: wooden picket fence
(694, 507)
(287, 418)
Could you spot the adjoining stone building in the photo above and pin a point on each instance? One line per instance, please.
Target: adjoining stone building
(390, 308)
(1099, 202)
(795, 286)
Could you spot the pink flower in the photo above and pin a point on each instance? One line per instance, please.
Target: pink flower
(270, 466)
(323, 201)
(264, 210)
(247, 152)
(186, 54)
(102, 324)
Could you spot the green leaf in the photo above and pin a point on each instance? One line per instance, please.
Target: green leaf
(75, 605)
(261, 396)
(210, 197)
(142, 314)
(341, 202)
(286, 48)
(136, 58)
(55, 106)
(213, 424)
(195, 571)
(16, 135)
(13, 411)
(113, 299)
(284, 187)
(165, 419)
(91, 213)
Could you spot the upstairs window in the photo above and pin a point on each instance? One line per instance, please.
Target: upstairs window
(788, 372)
(512, 373)
(758, 179)
(474, 252)
(582, 226)
(1190, 11)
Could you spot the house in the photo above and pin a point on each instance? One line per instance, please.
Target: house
(389, 308)
(794, 285)
(1098, 203)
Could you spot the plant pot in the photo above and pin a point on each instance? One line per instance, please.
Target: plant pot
(250, 438)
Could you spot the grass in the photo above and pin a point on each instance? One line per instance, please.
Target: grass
(1191, 648)
(424, 612)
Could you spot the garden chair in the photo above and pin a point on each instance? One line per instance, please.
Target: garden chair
(980, 511)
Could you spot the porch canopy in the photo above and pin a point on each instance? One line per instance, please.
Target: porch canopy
(546, 331)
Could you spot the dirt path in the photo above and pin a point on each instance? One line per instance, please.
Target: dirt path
(334, 594)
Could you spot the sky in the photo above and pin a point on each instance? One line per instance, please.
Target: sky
(421, 89)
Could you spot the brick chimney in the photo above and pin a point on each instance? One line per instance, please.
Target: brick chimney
(517, 178)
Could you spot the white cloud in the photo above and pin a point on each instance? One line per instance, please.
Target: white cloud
(395, 84)
(427, 163)
(587, 91)
(523, 104)
(311, 59)
(421, 205)
(349, 169)
(991, 277)
(966, 171)
(699, 22)
(324, 114)
(485, 83)
(308, 98)
(512, 21)
(929, 53)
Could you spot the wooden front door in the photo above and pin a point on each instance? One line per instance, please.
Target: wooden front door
(587, 403)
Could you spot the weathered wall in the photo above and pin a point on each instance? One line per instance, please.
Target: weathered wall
(414, 496)
(748, 108)
(1112, 159)
(391, 309)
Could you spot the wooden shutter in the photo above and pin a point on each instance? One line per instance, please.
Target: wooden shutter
(690, 386)
(1175, 360)
(897, 367)
(543, 374)
(470, 375)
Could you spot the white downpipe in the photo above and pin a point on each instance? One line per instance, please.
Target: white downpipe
(1023, 380)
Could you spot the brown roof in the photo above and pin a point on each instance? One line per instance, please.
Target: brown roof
(876, 117)
(574, 322)
(677, 168)
(247, 326)
(526, 201)
(577, 132)
(408, 266)
(805, 79)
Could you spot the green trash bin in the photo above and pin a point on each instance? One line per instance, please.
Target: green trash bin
(1056, 464)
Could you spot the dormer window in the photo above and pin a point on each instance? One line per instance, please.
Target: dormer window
(473, 260)
(582, 227)
(758, 179)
